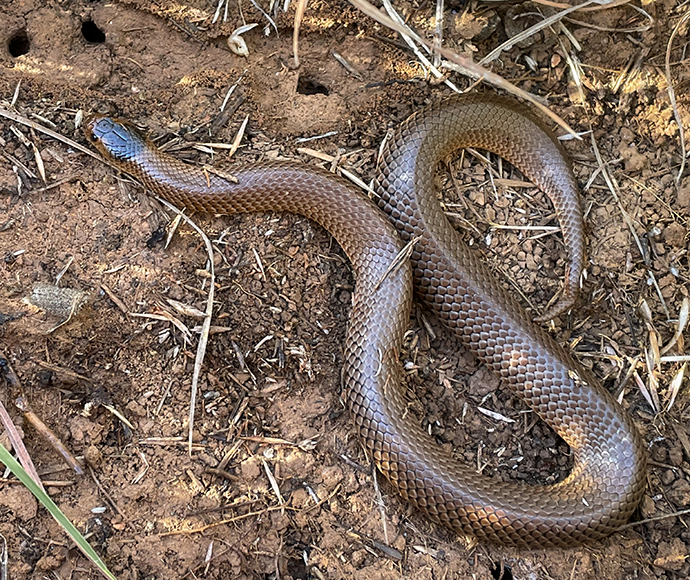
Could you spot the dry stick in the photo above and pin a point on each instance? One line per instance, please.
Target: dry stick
(38, 127)
(641, 28)
(683, 318)
(205, 326)
(465, 65)
(18, 445)
(613, 188)
(438, 32)
(4, 565)
(109, 499)
(599, 4)
(654, 519)
(508, 44)
(299, 13)
(408, 37)
(251, 514)
(23, 405)
(379, 503)
(12, 432)
(672, 94)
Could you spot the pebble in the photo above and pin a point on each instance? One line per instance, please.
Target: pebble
(679, 494)
(674, 234)
(671, 555)
(474, 26)
(683, 195)
(93, 456)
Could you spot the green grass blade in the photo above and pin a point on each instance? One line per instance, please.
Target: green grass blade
(49, 504)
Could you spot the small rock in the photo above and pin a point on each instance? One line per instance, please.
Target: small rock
(674, 234)
(50, 562)
(648, 507)
(627, 136)
(679, 494)
(675, 455)
(18, 500)
(668, 477)
(659, 454)
(683, 195)
(671, 555)
(482, 382)
(474, 26)
(208, 459)
(93, 456)
(136, 409)
(634, 160)
(357, 558)
(250, 468)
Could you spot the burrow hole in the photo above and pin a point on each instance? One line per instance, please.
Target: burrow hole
(19, 43)
(502, 572)
(92, 33)
(307, 86)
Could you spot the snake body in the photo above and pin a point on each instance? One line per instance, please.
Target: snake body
(607, 480)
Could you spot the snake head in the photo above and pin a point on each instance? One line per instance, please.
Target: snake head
(117, 140)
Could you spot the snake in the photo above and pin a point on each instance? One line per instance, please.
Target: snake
(399, 241)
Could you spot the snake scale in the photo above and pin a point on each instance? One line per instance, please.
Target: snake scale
(608, 476)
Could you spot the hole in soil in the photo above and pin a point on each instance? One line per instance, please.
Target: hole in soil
(19, 43)
(501, 571)
(306, 86)
(92, 33)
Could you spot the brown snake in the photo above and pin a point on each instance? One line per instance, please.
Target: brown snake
(608, 477)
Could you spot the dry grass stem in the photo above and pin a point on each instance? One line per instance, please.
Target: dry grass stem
(231, 90)
(438, 32)
(466, 66)
(18, 445)
(645, 393)
(402, 258)
(494, 415)
(672, 94)
(531, 31)
(614, 188)
(35, 421)
(250, 515)
(683, 317)
(115, 299)
(299, 14)
(108, 497)
(45, 130)
(206, 325)
(408, 36)
(216, 15)
(340, 170)
(634, 30)
(548, 229)
(379, 502)
(654, 519)
(674, 388)
(266, 16)
(4, 559)
(346, 65)
(15, 96)
(238, 138)
(273, 482)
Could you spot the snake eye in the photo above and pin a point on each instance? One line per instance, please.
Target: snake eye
(93, 138)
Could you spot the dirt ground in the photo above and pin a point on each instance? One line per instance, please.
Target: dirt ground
(275, 458)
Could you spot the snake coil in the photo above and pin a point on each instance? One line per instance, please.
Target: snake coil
(607, 480)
